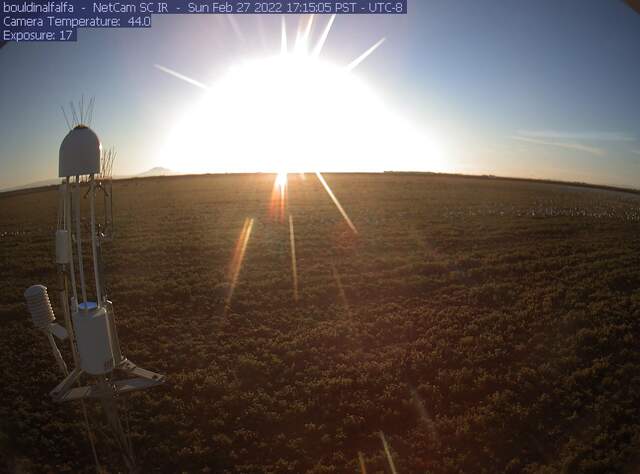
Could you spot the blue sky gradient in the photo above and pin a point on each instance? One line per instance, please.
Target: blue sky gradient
(545, 89)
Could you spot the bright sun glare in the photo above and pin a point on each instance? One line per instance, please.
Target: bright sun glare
(281, 181)
(295, 112)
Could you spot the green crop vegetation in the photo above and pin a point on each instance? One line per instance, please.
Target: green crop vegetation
(483, 325)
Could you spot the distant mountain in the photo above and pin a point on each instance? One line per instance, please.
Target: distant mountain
(156, 171)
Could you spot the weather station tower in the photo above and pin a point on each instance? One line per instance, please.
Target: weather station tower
(100, 370)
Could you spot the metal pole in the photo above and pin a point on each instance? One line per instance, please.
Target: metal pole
(57, 355)
(113, 419)
(83, 287)
(94, 244)
(67, 226)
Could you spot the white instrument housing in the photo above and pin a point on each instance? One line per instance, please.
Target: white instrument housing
(79, 153)
(94, 340)
(39, 306)
(62, 246)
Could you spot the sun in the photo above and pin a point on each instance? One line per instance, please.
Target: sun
(295, 112)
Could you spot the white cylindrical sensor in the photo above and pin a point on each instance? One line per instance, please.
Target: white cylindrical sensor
(93, 340)
(62, 246)
(39, 306)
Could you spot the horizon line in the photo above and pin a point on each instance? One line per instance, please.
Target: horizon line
(37, 185)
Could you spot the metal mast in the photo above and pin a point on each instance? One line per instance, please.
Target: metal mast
(100, 370)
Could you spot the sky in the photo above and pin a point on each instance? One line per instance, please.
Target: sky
(547, 89)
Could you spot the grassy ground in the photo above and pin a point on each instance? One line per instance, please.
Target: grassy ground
(482, 325)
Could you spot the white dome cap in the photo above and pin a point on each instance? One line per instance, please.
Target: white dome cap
(80, 153)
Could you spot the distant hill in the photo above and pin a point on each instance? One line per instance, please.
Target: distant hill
(155, 171)
(35, 184)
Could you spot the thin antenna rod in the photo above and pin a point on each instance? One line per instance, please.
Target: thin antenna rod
(82, 109)
(90, 111)
(75, 116)
(65, 117)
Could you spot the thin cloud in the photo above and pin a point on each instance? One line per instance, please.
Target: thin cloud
(596, 136)
(566, 145)
(635, 152)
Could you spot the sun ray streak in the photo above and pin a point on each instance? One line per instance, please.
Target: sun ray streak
(236, 28)
(236, 250)
(283, 40)
(363, 466)
(294, 262)
(388, 453)
(336, 202)
(341, 292)
(173, 73)
(283, 197)
(356, 62)
(238, 257)
(263, 39)
(323, 39)
(424, 415)
(279, 195)
(307, 31)
(296, 46)
(302, 36)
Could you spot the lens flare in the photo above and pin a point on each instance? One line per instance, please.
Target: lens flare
(294, 262)
(337, 203)
(387, 451)
(341, 292)
(363, 466)
(238, 257)
(278, 201)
